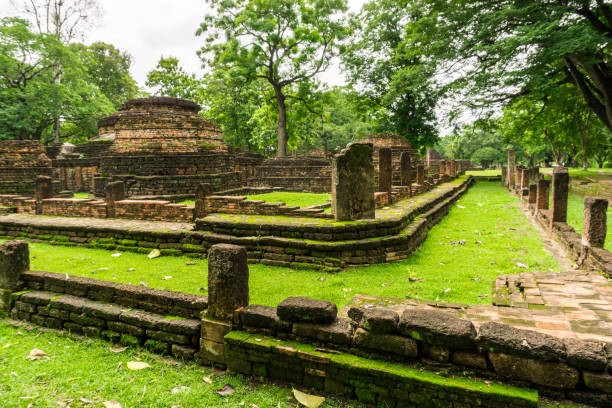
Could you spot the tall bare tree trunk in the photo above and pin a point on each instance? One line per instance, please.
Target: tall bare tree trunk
(282, 123)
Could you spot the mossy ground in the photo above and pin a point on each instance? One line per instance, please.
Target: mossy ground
(78, 371)
(484, 173)
(484, 235)
(292, 199)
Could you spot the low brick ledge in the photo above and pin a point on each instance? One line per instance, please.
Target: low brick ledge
(141, 297)
(370, 381)
(579, 370)
(132, 327)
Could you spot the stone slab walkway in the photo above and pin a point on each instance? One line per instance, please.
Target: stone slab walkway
(43, 221)
(574, 304)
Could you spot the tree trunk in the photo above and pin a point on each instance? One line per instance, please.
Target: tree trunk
(282, 122)
(56, 120)
(583, 141)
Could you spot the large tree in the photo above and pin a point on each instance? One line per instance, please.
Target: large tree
(387, 69)
(30, 98)
(284, 42)
(170, 79)
(109, 69)
(66, 20)
(496, 50)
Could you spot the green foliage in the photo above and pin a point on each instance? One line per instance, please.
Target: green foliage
(169, 79)
(384, 64)
(109, 69)
(494, 51)
(30, 95)
(284, 42)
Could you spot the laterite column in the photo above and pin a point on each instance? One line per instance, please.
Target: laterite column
(511, 165)
(560, 190)
(594, 225)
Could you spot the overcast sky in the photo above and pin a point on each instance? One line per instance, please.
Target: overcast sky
(148, 29)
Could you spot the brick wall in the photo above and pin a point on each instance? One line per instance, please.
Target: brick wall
(240, 205)
(168, 185)
(300, 173)
(74, 207)
(154, 210)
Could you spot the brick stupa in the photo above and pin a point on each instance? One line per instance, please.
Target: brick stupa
(160, 124)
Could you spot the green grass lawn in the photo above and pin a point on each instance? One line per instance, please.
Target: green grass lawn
(575, 208)
(484, 173)
(592, 174)
(292, 199)
(81, 195)
(85, 373)
(484, 235)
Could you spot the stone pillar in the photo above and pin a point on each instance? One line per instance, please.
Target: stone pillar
(542, 195)
(453, 168)
(525, 175)
(115, 191)
(385, 170)
(517, 178)
(353, 184)
(533, 193)
(44, 190)
(204, 190)
(420, 175)
(228, 281)
(228, 291)
(405, 168)
(511, 165)
(442, 167)
(504, 176)
(14, 260)
(560, 186)
(594, 225)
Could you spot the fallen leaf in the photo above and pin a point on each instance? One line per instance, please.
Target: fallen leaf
(411, 279)
(321, 279)
(226, 390)
(7, 345)
(191, 263)
(116, 254)
(307, 400)
(137, 365)
(521, 265)
(253, 406)
(37, 354)
(86, 401)
(386, 285)
(131, 270)
(176, 390)
(167, 277)
(154, 254)
(117, 349)
(207, 380)
(460, 206)
(112, 404)
(447, 290)
(143, 283)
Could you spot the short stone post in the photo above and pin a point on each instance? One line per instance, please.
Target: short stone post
(442, 168)
(525, 174)
(560, 190)
(228, 292)
(115, 191)
(420, 178)
(542, 195)
(385, 170)
(14, 260)
(201, 209)
(517, 178)
(504, 176)
(511, 165)
(353, 184)
(594, 225)
(405, 168)
(44, 190)
(453, 168)
(533, 193)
